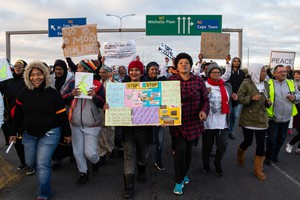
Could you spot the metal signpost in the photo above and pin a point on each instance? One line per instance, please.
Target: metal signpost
(55, 25)
(187, 25)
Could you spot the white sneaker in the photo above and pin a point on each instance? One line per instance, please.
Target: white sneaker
(289, 148)
(298, 151)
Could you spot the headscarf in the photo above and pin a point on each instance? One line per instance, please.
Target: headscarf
(59, 81)
(254, 72)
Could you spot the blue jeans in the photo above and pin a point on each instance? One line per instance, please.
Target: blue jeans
(38, 154)
(158, 133)
(233, 117)
(276, 136)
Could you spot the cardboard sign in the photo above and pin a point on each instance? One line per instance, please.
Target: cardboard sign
(80, 40)
(282, 58)
(215, 45)
(143, 103)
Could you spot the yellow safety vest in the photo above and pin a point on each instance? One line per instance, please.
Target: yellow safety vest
(291, 86)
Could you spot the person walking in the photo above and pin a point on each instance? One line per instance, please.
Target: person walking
(40, 111)
(284, 95)
(296, 120)
(60, 80)
(10, 89)
(135, 140)
(85, 120)
(236, 79)
(216, 123)
(195, 108)
(152, 70)
(253, 95)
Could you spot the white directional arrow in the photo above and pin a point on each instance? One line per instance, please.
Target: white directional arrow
(178, 22)
(183, 25)
(52, 27)
(189, 25)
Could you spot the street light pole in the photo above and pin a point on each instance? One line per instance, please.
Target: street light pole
(120, 17)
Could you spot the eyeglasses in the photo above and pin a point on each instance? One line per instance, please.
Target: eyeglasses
(281, 72)
(18, 66)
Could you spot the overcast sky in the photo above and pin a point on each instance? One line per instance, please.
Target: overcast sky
(267, 25)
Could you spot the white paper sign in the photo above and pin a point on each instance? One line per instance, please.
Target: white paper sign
(119, 53)
(166, 50)
(5, 72)
(282, 58)
(84, 81)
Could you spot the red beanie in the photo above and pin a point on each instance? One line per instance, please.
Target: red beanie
(136, 64)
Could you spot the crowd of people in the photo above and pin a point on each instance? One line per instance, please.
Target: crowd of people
(48, 123)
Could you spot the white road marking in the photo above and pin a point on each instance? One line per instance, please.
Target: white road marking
(286, 175)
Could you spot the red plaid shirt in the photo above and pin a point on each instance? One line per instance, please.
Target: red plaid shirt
(194, 99)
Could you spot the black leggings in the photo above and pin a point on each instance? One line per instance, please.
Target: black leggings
(260, 136)
(296, 139)
(182, 157)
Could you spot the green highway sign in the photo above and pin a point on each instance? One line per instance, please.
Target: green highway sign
(182, 24)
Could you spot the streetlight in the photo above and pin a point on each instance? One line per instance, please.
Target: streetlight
(120, 17)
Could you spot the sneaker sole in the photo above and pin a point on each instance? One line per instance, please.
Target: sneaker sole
(178, 193)
(30, 173)
(161, 169)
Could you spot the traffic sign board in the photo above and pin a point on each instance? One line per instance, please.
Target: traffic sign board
(182, 24)
(55, 25)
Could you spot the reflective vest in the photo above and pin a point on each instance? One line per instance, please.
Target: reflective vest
(291, 86)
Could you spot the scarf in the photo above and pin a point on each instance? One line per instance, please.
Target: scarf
(224, 97)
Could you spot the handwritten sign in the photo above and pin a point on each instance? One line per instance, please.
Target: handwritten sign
(166, 50)
(215, 45)
(83, 81)
(168, 89)
(282, 58)
(119, 53)
(80, 40)
(5, 72)
(120, 116)
(147, 103)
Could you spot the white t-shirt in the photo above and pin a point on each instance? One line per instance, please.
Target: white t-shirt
(215, 119)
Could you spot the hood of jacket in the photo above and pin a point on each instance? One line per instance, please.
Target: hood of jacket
(254, 72)
(233, 60)
(38, 65)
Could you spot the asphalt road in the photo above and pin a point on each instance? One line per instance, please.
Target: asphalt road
(283, 179)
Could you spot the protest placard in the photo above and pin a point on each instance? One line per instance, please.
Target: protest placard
(215, 45)
(119, 53)
(143, 103)
(166, 50)
(282, 58)
(80, 40)
(5, 72)
(84, 81)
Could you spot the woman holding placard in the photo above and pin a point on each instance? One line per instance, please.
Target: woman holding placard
(135, 140)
